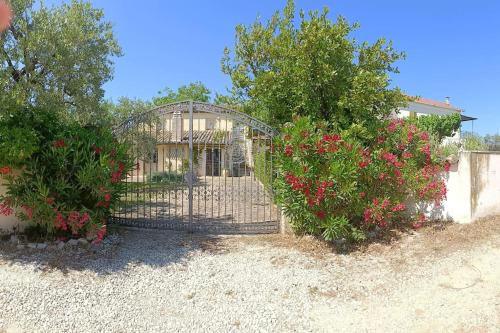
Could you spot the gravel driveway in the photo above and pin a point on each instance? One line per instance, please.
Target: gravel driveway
(151, 281)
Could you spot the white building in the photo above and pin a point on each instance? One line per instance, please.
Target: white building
(424, 106)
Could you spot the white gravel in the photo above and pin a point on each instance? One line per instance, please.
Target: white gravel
(165, 281)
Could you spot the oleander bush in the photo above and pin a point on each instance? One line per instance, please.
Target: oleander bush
(340, 187)
(61, 177)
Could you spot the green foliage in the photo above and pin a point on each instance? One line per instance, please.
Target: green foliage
(473, 142)
(117, 113)
(314, 68)
(335, 186)
(438, 126)
(68, 178)
(262, 166)
(166, 177)
(196, 91)
(58, 57)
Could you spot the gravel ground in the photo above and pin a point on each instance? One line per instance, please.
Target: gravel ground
(444, 280)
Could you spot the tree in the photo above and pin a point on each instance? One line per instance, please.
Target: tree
(316, 70)
(437, 125)
(195, 91)
(58, 56)
(125, 108)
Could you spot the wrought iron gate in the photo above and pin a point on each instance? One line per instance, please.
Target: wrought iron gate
(199, 167)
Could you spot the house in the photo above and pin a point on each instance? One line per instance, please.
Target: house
(220, 146)
(424, 106)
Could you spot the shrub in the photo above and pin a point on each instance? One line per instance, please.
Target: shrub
(166, 177)
(69, 176)
(262, 166)
(333, 185)
(473, 142)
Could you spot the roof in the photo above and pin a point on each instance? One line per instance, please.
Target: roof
(199, 137)
(435, 103)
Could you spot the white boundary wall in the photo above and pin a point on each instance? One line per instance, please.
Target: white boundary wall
(473, 185)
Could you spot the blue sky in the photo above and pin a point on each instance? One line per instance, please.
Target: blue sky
(453, 47)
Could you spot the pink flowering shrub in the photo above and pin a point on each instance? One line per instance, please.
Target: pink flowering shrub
(338, 186)
(69, 181)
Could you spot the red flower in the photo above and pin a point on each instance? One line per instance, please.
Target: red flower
(287, 137)
(304, 134)
(59, 143)
(60, 222)
(399, 207)
(362, 195)
(5, 209)
(426, 150)
(320, 215)
(5, 15)
(363, 164)
(50, 200)
(446, 166)
(100, 235)
(380, 140)
(5, 170)
(424, 136)
(331, 138)
(96, 149)
(288, 150)
(303, 147)
(107, 197)
(28, 211)
(407, 155)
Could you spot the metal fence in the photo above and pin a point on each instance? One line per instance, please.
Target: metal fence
(199, 167)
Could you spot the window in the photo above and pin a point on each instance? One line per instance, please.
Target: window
(210, 124)
(175, 153)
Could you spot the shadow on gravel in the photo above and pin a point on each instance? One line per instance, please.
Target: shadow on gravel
(122, 250)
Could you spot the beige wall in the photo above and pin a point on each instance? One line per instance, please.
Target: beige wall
(473, 186)
(200, 121)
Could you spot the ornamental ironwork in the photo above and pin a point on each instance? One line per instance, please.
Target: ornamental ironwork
(199, 167)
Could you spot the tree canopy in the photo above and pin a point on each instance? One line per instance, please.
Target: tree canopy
(57, 56)
(312, 67)
(195, 91)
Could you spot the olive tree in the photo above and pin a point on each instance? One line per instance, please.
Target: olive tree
(57, 56)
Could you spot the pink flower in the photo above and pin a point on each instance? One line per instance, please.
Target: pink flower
(5, 15)
(5, 209)
(399, 207)
(424, 136)
(446, 166)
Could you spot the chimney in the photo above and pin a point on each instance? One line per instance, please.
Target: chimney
(447, 100)
(177, 126)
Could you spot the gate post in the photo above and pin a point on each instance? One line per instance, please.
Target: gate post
(191, 173)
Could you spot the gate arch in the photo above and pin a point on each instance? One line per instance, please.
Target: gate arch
(199, 167)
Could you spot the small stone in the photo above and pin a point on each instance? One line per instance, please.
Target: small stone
(41, 246)
(83, 241)
(14, 239)
(20, 246)
(32, 245)
(60, 245)
(72, 242)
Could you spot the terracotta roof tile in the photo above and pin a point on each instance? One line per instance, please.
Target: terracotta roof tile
(439, 104)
